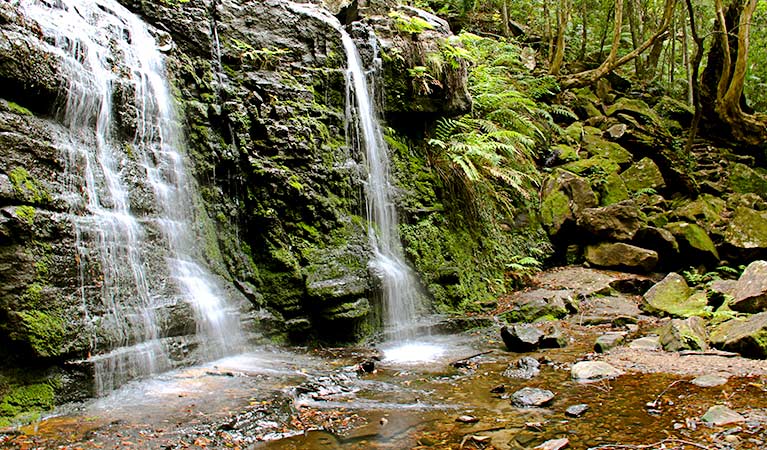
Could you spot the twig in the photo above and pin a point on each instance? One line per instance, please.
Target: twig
(659, 443)
(465, 360)
(657, 399)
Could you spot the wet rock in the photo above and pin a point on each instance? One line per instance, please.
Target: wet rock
(709, 380)
(608, 341)
(611, 309)
(648, 343)
(618, 222)
(721, 415)
(620, 255)
(673, 297)
(467, 419)
(750, 293)
(688, 334)
(554, 444)
(693, 240)
(582, 281)
(585, 371)
(530, 305)
(577, 410)
(564, 196)
(553, 335)
(521, 338)
(745, 336)
(747, 229)
(525, 368)
(644, 174)
(531, 397)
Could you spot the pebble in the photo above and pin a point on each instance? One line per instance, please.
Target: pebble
(467, 419)
(721, 415)
(577, 410)
(709, 380)
(527, 397)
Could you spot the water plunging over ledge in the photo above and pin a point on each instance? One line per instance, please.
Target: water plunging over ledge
(133, 199)
(400, 291)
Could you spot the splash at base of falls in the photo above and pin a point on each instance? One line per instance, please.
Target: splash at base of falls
(413, 352)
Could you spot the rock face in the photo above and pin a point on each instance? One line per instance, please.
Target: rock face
(750, 292)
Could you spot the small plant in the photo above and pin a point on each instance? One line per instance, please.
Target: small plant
(521, 269)
(263, 58)
(423, 82)
(411, 25)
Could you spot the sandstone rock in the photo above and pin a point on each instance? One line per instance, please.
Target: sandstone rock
(610, 309)
(745, 336)
(593, 371)
(673, 297)
(576, 410)
(525, 368)
(709, 380)
(750, 292)
(615, 222)
(643, 174)
(530, 305)
(598, 146)
(747, 229)
(620, 255)
(521, 338)
(692, 237)
(658, 239)
(613, 191)
(688, 334)
(554, 444)
(608, 341)
(720, 415)
(531, 397)
(647, 343)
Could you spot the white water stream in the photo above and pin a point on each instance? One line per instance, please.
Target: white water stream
(115, 80)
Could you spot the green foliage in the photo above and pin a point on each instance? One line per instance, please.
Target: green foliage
(18, 109)
(423, 82)
(411, 25)
(695, 277)
(263, 58)
(25, 186)
(522, 268)
(26, 213)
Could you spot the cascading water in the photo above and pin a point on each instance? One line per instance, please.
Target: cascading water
(401, 297)
(135, 207)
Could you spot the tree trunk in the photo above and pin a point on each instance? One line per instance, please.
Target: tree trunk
(563, 18)
(697, 58)
(633, 15)
(612, 62)
(505, 18)
(723, 102)
(584, 30)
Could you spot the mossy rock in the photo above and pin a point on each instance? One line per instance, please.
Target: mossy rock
(673, 297)
(24, 403)
(635, 108)
(705, 208)
(42, 332)
(598, 146)
(747, 229)
(574, 132)
(745, 336)
(675, 110)
(358, 309)
(688, 334)
(613, 190)
(596, 165)
(643, 175)
(564, 153)
(744, 179)
(555, 210)
(695, 238)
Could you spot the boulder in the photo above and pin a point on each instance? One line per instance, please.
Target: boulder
(615, 309)
(747, 229)
(744, 179)
(648, 343)
(593, 165)
(613, 190)
(706, 208)
(658, 239)
(530, 397)
(720, 415)
(673, 297)
(553, 335)
(709, 380)
(683, 334)
(620, 255)
(593, 371)
(531, 305)
(599, 146)
(564, 196)
(525, 368)
(582, 281)
(617, 222)
(643, 174)
(745, 336)
(521, 338)
(694, 240)
(750, 292)
(608, 341)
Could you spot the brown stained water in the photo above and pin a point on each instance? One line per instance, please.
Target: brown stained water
(250, 401)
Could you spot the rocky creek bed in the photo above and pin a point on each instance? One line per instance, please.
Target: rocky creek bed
(467, 391)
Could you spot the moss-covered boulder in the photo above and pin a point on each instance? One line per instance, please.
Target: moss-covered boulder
(693, 240)
(620, 255)
(599, 146)
(658, 239)
(673, 297)
(613, 190)
(706, 209)
(643, 175)
(527, 306)
(564, 196)
(617, 222)
(747, 229)
(562, 153)
(635, 108)
(687, 334)
(673, 109)
(596, 165)
(750, 292)
(745, 336)
(744, 179)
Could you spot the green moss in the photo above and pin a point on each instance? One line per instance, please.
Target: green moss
(25, 186)
(695, 236)
(555, 209)
(644, 174)
(593, 165)
(613, 190)
(44, 333)
(744, 179)
(26, 213)
(18, 109)
(24, 403)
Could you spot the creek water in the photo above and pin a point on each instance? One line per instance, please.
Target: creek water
(317, 399)
(132, 197)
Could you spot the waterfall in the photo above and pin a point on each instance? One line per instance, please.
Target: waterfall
(401, 297)
(133, 199)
